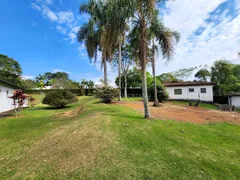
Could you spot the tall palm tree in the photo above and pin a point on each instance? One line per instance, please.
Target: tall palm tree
(166, 39)
(98, 33)
(141, 13)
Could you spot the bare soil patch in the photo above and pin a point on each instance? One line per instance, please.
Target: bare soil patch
(169, 111)
(71, 113)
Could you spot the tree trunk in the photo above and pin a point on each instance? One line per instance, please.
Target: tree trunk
(145, 94)
(125, 85)
(119, 70)
(143, 62)
(105, 72)
(156, 103)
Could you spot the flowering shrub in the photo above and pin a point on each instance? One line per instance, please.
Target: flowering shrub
(106, 93)
(59, 98)
(19, 98)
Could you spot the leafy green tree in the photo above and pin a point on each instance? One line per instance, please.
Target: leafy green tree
(84, 83)
(126, 63)
(41, 80)
(184, 74)
(167, 78)
(28, 84)
(91, 84)
(58, 80)
(73, 84)
(222, 72)
(60, 76)
(236, 72)
(134, 78)
(203, 75)
(10, 70)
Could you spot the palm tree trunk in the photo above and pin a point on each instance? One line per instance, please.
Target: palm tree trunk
(105, 72)
(125, 83)
(145, 93)
(143, 62)
(119, 70)
(156, 103)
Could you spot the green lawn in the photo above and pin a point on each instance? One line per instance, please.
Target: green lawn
(203, 105)
(114, 142)
(132, 99)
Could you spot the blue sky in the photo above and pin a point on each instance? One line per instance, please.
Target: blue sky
(41, 35)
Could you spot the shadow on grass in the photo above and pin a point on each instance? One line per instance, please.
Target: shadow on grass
(100, 102)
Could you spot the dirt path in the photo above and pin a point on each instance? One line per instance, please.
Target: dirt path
(197, 115)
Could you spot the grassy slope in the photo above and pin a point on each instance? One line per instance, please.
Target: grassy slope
(97, 144)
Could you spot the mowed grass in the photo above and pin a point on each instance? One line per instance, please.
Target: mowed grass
(132, 99)
(202, 105)
(114, 142)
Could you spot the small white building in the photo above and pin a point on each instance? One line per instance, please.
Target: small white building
(190, 91)
(234, 99)
(6, 90)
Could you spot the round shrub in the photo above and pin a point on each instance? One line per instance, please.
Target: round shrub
(59, 98)
(161, 93)
(106, 93)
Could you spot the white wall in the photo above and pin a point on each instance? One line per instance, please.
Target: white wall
(186, 95)
(235, 100)
(6, 104)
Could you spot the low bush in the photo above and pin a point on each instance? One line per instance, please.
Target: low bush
(59, 98)
(161, 93)
(106, 93)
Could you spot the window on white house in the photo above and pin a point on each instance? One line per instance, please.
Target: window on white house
(178, 91)
(203, 90)
(191, 89)
(0, 93)
(7, 92)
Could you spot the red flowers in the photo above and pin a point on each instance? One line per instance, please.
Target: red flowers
(19, 99)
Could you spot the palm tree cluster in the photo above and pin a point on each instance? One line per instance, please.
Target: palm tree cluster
(106, 31)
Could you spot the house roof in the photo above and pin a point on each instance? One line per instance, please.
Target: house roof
(9, 84)
(189, 84)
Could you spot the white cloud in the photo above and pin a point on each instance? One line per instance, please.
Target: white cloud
(49, 1)
(217, 41)
(65, 17)
(61, 29)
(72, 37)
(49, 14)
(25, 77)
(35, 6)
(65, 21)
(74, 28)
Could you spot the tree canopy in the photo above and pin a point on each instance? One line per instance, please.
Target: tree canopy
(10, 70)
(203, 75)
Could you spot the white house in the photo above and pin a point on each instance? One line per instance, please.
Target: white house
(6, 90)
(234, 99)
(190, 91)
